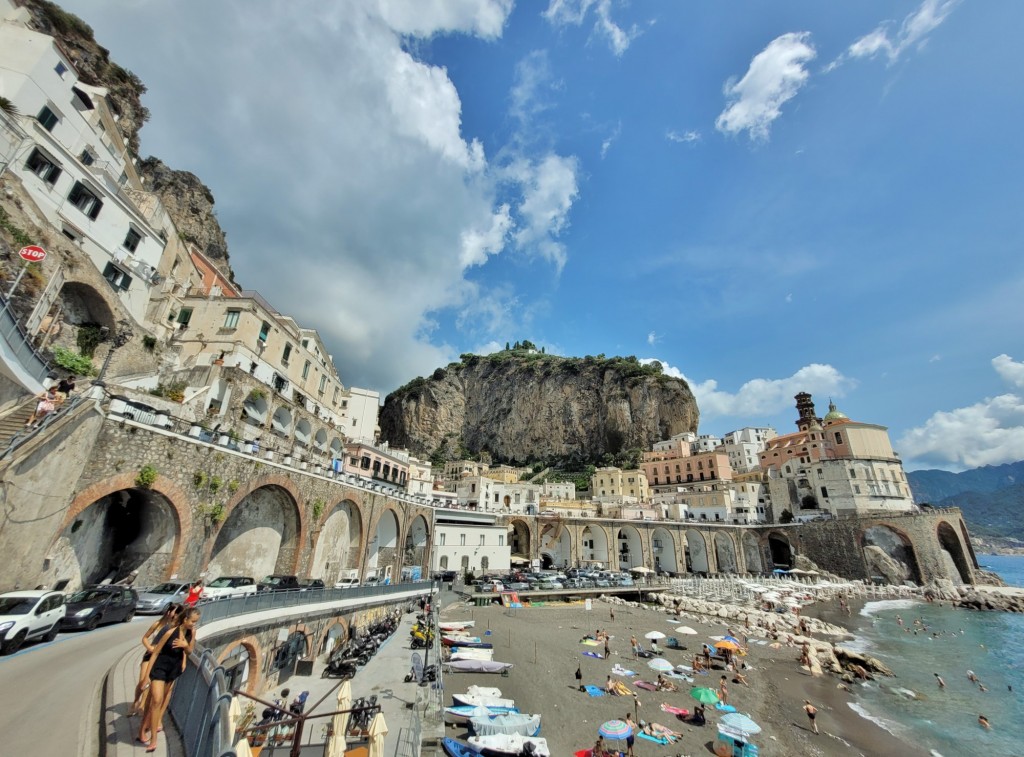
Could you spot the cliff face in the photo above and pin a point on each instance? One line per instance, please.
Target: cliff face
(521, 407)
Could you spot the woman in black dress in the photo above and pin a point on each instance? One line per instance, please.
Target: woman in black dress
(164, 668)
(171, 618)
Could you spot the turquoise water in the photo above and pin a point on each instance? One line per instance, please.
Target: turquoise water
(946, 720)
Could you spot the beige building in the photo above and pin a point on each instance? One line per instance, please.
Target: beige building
(506, 474)
(614, 484)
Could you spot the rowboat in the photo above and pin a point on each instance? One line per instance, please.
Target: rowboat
(460, 714)
(466, 643)
(499, 745)
(455, 748)
(456, 625)
(506, 725)
(461, 653)
(474, 700)
(484, 691)
(477, 666)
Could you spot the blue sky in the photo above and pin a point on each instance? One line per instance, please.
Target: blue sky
(767, 197)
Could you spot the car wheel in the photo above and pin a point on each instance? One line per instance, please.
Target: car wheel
(129, 617)
(52, 633)
(12, 646)
(93, 622)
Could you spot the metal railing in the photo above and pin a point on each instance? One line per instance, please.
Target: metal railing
(18, 341)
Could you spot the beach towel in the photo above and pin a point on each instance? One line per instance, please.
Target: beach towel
(678, 711)
(679, 677)
(645, 685)
(591, 642)
(655, 739)
(725, 707)
(621, 671)
(593, 654)
(595, 691)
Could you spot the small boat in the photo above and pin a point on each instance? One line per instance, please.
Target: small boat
(460, 714)
(467, 643)
(474, 700)
(484, 691)
(510, 724)
(501, 744)
(461, 653)
(477, 666)
(456, 625)
(455, 748)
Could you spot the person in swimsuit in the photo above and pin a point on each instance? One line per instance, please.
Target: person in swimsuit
(171, 618)
(631, 738)
(195, 592)
(163, 670)
(812, 712)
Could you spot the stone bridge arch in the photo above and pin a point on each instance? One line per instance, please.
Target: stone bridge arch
(519, 539)
(698, 558)
(382, 555)
(595, 545)
(629, 546)
(752, 556)
(780, 551)
(417, 545)
(555, 548)
(889, 553)
(725, 553)
(663, 550)
(953, 555)
(338, 541)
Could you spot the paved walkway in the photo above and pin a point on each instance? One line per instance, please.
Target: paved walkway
(121, 731)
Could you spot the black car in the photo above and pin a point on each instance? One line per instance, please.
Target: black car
(310, 583)
(279, 583)
(99, 604)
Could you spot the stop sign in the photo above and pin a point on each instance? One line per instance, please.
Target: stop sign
(32, 253)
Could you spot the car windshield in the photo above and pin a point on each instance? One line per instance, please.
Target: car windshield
(220, 583)
(16, 605)
(166, 589)
(88, 595)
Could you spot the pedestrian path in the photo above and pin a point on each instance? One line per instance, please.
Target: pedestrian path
(121, 731)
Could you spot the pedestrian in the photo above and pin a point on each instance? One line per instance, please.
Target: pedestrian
(195, 592)
(812, 713)
(636, 646)
(631, 737)
(171, 618)
(607, 649)
(611, 613)
(47, 403)
(938, 680)
(66, 386)
(723, 691)
(579, 677)
(163, 669)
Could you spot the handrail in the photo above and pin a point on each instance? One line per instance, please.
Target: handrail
(62, 410)
(20, 344)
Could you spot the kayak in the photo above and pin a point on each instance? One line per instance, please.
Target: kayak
(456, 625)
(509, 744)
(455, 748)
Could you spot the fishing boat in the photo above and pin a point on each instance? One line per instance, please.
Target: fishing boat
(455, 748)
(510, 724)
(460, 714)
(468, 643)
(477, 666)
(474, 700)
(456, 625)
(461, 653)
(500, 745)
(484, 691)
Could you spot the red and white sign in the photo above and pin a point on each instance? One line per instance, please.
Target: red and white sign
(33, 254)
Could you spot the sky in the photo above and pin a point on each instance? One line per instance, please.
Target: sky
(766, 197)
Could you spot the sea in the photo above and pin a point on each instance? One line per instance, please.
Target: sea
(913, 706)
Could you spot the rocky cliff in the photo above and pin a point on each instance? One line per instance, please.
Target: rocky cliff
(521, 406)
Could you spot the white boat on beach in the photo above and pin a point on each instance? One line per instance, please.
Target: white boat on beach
(477, 666)
(483, 701)
(502, 744)
(484, 691)
(461, 714)
(456, 625)
(472, 654)
(507, 724)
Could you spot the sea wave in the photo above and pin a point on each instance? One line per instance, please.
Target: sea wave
(870, 608)
(880, 722)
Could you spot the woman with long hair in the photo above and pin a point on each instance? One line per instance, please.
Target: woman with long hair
(163, 669)
(171, 618)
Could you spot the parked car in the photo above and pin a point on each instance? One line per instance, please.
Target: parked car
(279, 583)
(346, 583)
(229, 586)
(87, 608)
(518, 586)
(308, 584)
(602, 583)
(154, 600)
(28, 615)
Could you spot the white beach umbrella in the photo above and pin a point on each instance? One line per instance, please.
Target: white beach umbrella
(376, 733)
(687, 630)
(661, 665)
(339, 723)
(654, 635)
(242, 748)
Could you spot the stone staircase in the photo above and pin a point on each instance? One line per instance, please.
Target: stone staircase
(13, 422)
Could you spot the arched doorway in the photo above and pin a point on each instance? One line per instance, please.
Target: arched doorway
(594, 543)
(630, 548)
(84, 309)
(889, 555)
(241, 667)
(259, 537)
(752, 553)
(417, 549)
(696, 552)
(382, 553)
(664, 548)
(519, 540)
(124, 531)
(555, 548)
(954, 560)
(781, 551)
(337, 547)
(725, 553)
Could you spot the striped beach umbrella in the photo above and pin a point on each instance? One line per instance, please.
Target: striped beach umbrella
(661, 665)
(615, 729)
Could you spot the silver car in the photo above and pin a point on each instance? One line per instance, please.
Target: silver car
(154, 601)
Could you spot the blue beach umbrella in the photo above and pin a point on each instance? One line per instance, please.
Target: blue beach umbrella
(740, 723)
(615, 729)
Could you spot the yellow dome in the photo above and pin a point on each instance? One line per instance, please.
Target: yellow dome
(834, 414)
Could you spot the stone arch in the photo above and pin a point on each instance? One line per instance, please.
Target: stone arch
(970, 547)
(114, 523)
(303, 432)
(336, 447)
(954, 560)
(320, 441)
(338, 541)
(417, 546)
(781, 551)
(752, 553)
(382, 552)
(264, 536)
(519, 538)
(555, 546)
(337, 629)
(256, 408)
(594, 547)
(697, 552)
(242, 673)
(663, 547)
(281, 422)
(725, 553)
(84, 306)
(889, 553)
(629, 547)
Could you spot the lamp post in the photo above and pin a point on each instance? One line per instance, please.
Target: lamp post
(121, 337)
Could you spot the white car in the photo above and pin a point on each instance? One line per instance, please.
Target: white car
(229, 586)
(26, 615)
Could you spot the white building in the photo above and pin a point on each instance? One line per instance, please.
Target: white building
(744, 447)
(360, 411)
(467, 541)
(66, 151)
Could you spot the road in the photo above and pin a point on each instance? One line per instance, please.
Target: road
(50, 693)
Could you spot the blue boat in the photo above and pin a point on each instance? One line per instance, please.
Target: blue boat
(455, 748)
(461, 713)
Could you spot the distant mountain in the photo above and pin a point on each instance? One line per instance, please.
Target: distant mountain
(991, 498)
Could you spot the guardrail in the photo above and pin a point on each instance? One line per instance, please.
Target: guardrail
(20, 345)
(201, 698)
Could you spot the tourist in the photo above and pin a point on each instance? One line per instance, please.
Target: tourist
(171, 618)
(579, 676)
(607, 649)
(983, 722)
(163, 670)
(635, 645)
(631, 737)
(609, 686)
(698, 717)
(66, 386)
(971, 676)
(938, 680)
(723, 691)
(195, 592)
(658, 731)
(738, 677)
(812, 713)
(611, 614)
(47, 403)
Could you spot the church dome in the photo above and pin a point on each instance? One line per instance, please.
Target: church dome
(834, 413)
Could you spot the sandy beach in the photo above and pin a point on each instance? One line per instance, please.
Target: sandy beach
(543, 642)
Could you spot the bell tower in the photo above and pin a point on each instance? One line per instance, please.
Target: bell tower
(805, 407)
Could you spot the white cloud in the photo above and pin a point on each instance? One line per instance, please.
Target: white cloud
(477, 244)
(789, 297)
(887, 40)
(935, 358)
(549, 189)
(424, 18)
(775, 75)
(760, 397)
(574, 12)
(682, 136)
(990, 432)
(652, 337)
(606, 143)
(532, 88)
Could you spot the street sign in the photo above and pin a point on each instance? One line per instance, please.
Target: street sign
(32, 253)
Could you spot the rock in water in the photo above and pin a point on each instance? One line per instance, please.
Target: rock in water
(521, 405)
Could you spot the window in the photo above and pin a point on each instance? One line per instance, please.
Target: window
(117, 278)
(856, 488)
(305, 369)
(86, 157)
(61, 69)
(131, 240)
(83, 199)
(231, 319)
(184, 316)
(462, 540)
(824, 492)
(264, 332)
(839, 438)
(323, 384)
(43, 167)
(481, 540)
(47, 118)
(442, 538)
(286, 354)
(501, 540)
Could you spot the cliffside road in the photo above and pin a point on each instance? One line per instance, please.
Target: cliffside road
(50, 693)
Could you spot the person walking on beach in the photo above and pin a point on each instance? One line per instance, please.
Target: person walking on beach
(579, 676)
(607, 649)
(723, 691)
(631, 737)
(812, 712)
(611, 614)
(636, 647)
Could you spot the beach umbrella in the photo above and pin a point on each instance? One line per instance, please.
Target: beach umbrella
(732, 646)
(375, 735)
(771, 596)
(704, 695)
(615, 729)
(733, 639)
(660, 665)
(740, 723)
(234, 714)
(242, 748)
(654, 635)
(339, 723)
(687, 630)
